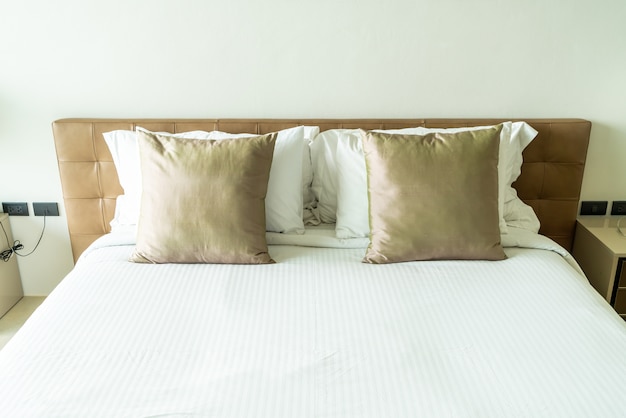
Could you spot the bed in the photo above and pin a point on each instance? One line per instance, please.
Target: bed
(313, 330)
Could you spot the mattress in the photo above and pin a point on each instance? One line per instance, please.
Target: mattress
(319, 334)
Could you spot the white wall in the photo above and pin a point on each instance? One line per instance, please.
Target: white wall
(296, 58)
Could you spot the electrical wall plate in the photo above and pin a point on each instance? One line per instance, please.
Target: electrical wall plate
(15, 208)
(46, 209)
(593, 207)
(618, 208)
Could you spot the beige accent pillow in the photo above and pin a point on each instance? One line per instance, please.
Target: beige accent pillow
(433, 196)
(203, 201)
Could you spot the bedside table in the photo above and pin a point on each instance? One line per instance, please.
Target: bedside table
(10, 283)
(600, 250)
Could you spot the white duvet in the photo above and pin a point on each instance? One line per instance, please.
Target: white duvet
(320, 334)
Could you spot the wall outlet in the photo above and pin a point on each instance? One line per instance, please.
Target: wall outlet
(15, 208)
(618, 208)
(46, 209)
(593, 208)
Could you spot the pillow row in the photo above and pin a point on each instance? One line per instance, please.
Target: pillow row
(402, 188)
(336, 193)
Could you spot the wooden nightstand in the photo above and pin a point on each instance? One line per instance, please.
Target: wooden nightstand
(10, 283)
(600, 250)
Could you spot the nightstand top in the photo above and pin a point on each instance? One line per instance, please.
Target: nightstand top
(605, 229)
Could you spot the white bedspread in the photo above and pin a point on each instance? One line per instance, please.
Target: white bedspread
(319, 334)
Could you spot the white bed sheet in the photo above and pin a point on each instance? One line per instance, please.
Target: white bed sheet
(319, 334)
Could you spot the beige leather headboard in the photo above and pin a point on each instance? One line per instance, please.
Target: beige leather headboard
(550, 181)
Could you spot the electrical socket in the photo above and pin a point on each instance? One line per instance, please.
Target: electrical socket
(15, 208)
(618, 208)
(46, 209)
(593, 208)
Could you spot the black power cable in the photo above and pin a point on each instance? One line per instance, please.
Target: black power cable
(17, 245)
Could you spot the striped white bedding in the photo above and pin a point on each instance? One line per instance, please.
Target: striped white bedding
(319, 334)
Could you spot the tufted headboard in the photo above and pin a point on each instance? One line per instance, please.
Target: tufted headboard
(550, 182)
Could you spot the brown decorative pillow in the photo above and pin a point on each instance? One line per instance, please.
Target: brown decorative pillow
(203, 201)
(433, 196)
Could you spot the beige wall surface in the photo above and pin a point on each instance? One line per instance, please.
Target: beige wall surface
(294, 58)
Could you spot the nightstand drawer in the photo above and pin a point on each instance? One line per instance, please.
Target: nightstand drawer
(620, 301)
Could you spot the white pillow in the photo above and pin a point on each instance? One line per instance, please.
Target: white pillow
(352, 195)
(517, 213)
(308, 198)
(352, 205)
(324, 161)
(283, 202)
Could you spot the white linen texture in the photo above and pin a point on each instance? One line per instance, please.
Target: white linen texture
(318, 334)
